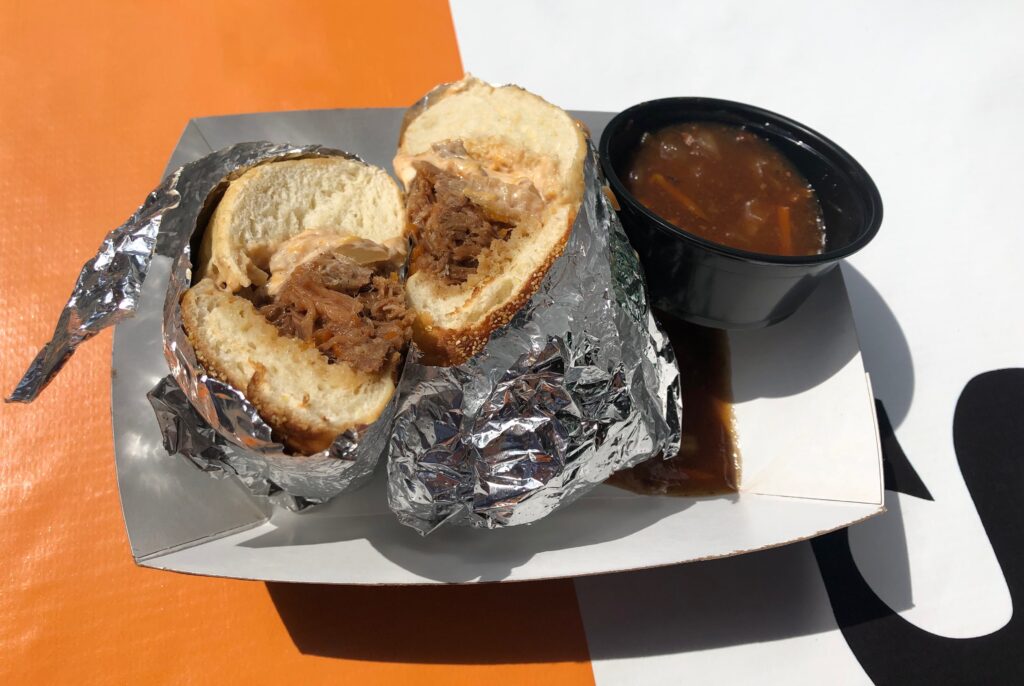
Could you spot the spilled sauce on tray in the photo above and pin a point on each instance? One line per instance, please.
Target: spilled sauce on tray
(708, 458)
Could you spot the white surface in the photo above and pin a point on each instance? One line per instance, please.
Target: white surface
(928, 97)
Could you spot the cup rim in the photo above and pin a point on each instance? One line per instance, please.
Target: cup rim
(811, 138)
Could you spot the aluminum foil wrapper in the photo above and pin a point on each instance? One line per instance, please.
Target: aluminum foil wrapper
(580, 384)
(107, 290)
(205, 420)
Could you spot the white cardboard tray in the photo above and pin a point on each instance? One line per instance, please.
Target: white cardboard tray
(804, 413)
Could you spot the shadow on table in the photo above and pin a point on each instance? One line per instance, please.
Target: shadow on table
(535, 621)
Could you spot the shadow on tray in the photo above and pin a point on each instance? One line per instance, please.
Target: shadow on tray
(458, 554)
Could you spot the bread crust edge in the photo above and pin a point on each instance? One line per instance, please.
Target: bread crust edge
(450, 347)
(296, 435)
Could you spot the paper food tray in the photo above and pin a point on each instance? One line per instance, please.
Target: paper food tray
(804, 408)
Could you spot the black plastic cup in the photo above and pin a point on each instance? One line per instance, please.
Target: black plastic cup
(715, 285)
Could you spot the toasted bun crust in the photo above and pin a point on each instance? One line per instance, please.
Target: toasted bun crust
(279, 215)
(296, 391)
(514, 135)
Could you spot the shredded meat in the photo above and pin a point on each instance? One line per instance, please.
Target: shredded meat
(458, 217)
(352, 314)
(452, 230)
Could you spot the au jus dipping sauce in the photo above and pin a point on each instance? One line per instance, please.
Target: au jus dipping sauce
(729, 186)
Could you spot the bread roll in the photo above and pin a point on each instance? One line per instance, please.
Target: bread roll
(509, 167)
(274, 221)
(274, 202)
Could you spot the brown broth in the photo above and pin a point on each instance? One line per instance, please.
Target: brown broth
(708, 458)
(727, 185)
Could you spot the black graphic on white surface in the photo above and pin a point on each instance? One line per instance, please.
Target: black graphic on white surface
(988, 437)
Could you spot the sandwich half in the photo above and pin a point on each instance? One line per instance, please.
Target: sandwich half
(494, 180)
(298, 302)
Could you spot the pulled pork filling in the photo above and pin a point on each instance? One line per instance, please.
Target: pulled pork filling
(350, 313)
(452, 230)
(457, 218)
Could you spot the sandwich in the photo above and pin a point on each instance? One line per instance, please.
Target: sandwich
(297, 300)
(494, 181)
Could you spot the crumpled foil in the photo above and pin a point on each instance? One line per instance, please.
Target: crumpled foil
(107, 289)
(581, 383)
(207, 421)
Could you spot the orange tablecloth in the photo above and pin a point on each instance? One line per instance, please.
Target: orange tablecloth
(94, 97)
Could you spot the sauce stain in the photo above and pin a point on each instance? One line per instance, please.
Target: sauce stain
(708, 458)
